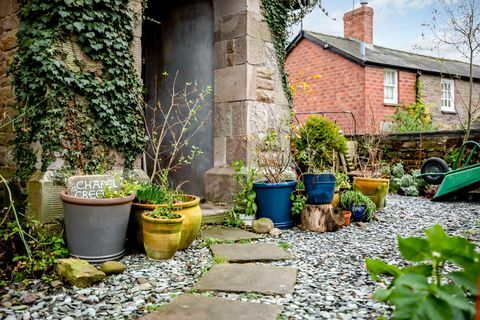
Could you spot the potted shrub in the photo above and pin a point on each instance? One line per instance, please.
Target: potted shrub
(150, 197)
(162, 232)
(316, 144)
(371, 182)
(361, 206)
(273, 195)
(96, 227)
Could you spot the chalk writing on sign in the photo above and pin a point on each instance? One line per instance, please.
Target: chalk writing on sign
(91, 186)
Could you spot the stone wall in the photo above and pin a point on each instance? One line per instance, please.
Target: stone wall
(413, 148)
(8, 45)
(247, 89)
(432, 95)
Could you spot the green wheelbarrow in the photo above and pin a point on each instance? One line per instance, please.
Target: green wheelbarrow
(463, 177)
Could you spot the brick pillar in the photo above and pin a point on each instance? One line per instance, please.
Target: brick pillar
(247, 88)
(358, 24)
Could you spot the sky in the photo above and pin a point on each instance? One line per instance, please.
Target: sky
(398, 24)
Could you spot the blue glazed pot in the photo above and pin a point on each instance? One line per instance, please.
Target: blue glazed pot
(273, 202)
(358, 212)
(320, 188)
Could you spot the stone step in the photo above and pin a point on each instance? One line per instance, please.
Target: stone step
(258, 278)
(249, 252)
(198, 307)
(229, 234)
(213, 214)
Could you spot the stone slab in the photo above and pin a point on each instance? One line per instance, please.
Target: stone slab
(249, 252)
(229, 234)
(213, 214)
(259, 278)
(198, 307)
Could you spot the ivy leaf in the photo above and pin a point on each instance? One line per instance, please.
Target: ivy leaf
(79, 25)
(63, 14)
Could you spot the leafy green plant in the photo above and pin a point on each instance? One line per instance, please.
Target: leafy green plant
(441, 282)
(150, 193)
(284, 245)
(163, 213)
(405, 184)
(349, 199)
(298, 203)
(244, 200)
(75, 84)
(342, 181)
(219, 260)
(316, 143)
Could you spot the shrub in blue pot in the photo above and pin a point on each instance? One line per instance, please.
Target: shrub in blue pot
(319, 187)
(361, 206)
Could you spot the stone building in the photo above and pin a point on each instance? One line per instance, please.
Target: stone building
(222, 43)
(369, 81)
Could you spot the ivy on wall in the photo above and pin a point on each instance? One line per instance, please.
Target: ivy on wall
(77, 91)
(280, 15)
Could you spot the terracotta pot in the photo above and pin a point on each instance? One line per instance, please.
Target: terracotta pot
(375, 189)
(161, 237)
(347, 215)
(190, 210)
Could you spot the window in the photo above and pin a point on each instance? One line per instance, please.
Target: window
(390, 86)
(448, 96)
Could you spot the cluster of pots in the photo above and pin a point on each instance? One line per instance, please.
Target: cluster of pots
(96, 229)
(273, 199)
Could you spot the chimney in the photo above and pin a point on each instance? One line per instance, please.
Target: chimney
(358, 23)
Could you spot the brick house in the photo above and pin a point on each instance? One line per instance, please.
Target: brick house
(368, 82)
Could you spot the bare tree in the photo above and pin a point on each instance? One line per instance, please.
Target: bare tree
(458, 25)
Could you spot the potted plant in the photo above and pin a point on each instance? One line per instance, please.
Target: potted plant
(371, 182)
(342, 184)
(150, 197)
(162, 232)
(96, 225)
(315, 145)
(361, 206)
(273, 194)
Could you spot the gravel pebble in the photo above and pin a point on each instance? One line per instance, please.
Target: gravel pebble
(332, 280)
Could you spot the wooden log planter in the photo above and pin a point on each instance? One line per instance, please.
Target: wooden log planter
(321, 218)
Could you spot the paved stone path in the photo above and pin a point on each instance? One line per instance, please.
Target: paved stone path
(249, 252)
(231, 277)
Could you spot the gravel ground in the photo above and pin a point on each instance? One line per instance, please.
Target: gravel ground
(332, 280)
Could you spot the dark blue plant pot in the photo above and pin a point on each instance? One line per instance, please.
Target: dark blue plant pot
(358, 212)
(273, 202)
(320, 188)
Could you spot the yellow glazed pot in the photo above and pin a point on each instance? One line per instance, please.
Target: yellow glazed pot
(336, 200)
(375, 189)
(189, 209)
(161, 237)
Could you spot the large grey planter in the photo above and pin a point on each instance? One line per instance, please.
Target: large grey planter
(96, 228)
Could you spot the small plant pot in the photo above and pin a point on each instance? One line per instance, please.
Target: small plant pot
(161, 237)
(347, 215)
(320, 188)
(248, 220)
(336, 200)
(358, 213)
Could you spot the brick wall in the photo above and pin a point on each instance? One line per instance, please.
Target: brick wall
(8, 45)
(431, 96)
(358, 24)
(343, 86)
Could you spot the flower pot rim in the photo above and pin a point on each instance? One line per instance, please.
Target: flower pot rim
(194, 200)
(95, 201)
(265, 184)
(162, 221)
(370, 179)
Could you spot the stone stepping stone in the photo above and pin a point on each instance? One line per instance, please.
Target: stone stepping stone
(229, 234)
(198, 307)
(259, 278)
(249, 252)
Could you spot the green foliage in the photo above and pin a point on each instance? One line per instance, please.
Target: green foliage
(284, 245)
(413, 118)
(405, 184)
(428, 289)
(298, 203)
(77, 110)
(342, 181)
(208, 241)
(349, 199)
(150, 193)
(316, 143)
(219, 260)
(244, 200)
(163, 213)
(125, 187)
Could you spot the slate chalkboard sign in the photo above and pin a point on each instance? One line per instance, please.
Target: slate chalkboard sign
(90, 186)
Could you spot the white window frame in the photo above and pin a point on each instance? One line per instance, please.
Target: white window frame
(450, 98)
(393, 100)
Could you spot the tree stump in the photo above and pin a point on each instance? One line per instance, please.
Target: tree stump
(321, 218)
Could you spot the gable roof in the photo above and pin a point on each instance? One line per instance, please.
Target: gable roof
(385, 57)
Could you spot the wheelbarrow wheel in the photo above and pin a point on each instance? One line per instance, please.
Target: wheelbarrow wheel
(434, 165)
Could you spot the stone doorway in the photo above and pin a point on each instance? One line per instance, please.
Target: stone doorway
(181, 38)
